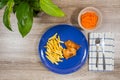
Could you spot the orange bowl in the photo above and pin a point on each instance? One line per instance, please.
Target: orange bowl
(96, 13)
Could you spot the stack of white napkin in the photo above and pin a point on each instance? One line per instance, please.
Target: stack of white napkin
(106, 39)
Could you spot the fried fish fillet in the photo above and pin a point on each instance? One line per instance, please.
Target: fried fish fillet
(71, 49)
(67, 53)
(71, 44)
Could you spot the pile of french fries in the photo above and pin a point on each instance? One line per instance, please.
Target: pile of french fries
(54, 49)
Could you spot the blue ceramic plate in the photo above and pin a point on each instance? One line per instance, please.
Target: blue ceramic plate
(66, 32)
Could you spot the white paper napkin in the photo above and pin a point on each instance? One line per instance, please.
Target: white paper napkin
(108, 40)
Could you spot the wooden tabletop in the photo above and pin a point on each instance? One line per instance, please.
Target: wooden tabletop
(19, 58)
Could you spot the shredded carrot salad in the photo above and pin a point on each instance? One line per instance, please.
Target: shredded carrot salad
(89, 20)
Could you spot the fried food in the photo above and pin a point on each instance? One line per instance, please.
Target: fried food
(71, 49)
(54, 49)
(71, 44)
(70, 52)
(55, 52)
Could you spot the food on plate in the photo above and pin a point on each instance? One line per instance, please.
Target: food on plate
(71, 44)
(55, 52)
(89, 20)
(69, 52)
(71, 49)
(54, 49)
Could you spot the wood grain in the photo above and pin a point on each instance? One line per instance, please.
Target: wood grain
(19, 58)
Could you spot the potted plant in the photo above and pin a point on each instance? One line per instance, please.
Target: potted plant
(25, 10)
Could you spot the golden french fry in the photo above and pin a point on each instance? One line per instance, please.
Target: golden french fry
(54, 49)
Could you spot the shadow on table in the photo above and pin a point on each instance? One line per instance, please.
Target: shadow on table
(74, 18)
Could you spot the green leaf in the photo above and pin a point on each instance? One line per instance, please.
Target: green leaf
(6, 16)
(14, 8)
(51, 9)
(24, 14)
(3, 3)
(35, 4)
(17, 1)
